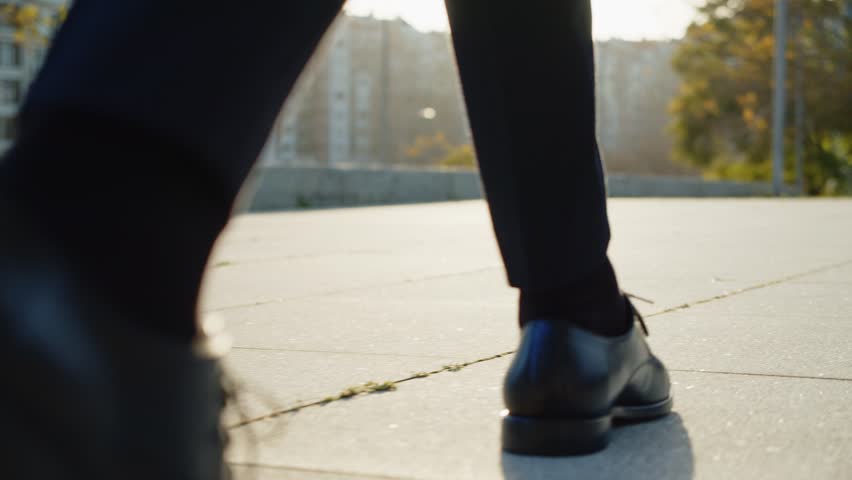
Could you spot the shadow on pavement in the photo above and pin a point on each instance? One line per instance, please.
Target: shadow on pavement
(658, 450)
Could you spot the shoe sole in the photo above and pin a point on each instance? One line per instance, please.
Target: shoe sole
(572, 436)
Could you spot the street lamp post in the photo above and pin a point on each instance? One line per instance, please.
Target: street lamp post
(779, 97)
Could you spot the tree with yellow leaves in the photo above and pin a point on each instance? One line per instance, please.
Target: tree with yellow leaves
(436, 150)
(34, 21)
(722, 115)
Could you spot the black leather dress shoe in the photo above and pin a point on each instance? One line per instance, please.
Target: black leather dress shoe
(566, 385)
(86, 394)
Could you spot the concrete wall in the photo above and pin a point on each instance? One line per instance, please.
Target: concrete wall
(663, 186)
(276, 188)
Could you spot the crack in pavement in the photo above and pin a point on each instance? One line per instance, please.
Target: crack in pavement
(353, 475)
(339, 291)
(456, 367)
(366, 389)
(225, 262)
(340, 352)
(770, 375)
(750, 288)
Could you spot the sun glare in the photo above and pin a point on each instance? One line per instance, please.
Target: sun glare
(633, 20)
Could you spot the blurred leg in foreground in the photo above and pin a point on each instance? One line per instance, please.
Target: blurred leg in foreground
(528, 74)
(134, 141)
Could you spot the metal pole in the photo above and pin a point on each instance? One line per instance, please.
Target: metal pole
(384, 95)
(778, 113)
(800, 130)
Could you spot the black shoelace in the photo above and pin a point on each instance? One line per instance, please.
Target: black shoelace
(635, 312)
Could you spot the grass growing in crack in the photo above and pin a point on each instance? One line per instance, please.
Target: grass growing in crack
(383, 387)
(369, 388)
(355, 390)
(457, 367)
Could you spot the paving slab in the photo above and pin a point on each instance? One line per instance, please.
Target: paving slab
(417, 328)
(841, 276)
(791, 299)
(447, 426)
(261, 258)
(250, 472)
(276, 280)
(669, 250)
(274, 380)
(761, 345)
(319, 301)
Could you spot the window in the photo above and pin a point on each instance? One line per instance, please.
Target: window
(10, 92)
(10, 54)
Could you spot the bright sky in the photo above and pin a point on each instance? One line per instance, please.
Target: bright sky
(627, 19)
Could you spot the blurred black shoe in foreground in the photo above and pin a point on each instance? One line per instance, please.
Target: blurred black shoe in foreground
(86, 393)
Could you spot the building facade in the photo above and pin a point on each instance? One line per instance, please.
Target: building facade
(635, 85)
(18, 65)
(20, 59)
(371, 89)
(375, 86)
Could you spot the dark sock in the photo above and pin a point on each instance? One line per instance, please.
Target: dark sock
(594, 303)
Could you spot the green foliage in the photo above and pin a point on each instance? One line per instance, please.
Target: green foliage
(437, 150)
(426, 150)
(722, 115)
(461, 156)
(365, 389)
(303, 202)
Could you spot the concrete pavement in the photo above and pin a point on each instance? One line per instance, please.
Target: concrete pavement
(752, 313)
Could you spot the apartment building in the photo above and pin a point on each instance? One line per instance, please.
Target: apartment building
(635, 85)
(19, 62)
(372, 88)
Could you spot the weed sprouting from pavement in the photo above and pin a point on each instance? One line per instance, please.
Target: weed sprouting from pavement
(370, 388)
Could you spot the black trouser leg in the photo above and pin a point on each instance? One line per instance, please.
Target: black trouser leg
(139, 131)
(528, 74)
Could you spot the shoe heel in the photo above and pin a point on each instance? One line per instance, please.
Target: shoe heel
(555, 436)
